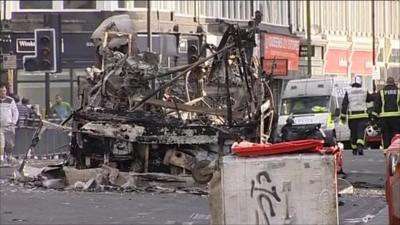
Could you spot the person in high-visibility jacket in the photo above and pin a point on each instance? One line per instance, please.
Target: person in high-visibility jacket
(354, 106)
(387, 109)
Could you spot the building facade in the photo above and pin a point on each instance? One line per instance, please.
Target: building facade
(80, 18)
(343, 37)
(341, 34)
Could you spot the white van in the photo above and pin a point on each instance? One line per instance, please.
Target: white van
(315, 101)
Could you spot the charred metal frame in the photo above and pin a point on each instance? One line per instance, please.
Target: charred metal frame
(124, 119)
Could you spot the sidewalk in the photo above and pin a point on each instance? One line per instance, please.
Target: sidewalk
(382, 218)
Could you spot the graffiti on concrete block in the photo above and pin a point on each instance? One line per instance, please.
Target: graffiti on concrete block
(264, 195)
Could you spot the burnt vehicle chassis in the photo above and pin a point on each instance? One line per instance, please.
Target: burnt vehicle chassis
(139, 117)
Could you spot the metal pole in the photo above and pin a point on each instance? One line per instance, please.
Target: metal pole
(373, 41)
(228, 94)
(308, 38)
(149, 44)
(373, 32)
(71, 86)
(289, 16)
(4, 9)
(47, 94)
(251, 8)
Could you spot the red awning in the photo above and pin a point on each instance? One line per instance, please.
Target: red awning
(361, 63)
(336, 61)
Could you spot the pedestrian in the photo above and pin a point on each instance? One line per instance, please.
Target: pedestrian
(354, 106)
(25, 102)
(8, 120)
(387, 109)
(23, 111)
(60, 109)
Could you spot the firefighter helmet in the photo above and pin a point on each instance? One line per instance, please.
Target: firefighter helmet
(357, 80)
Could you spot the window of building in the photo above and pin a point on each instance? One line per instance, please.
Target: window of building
(73, 4)
(202, 8)
(232, 10)
(122, 4)
(140, 4)
(135, 4)
(38, 4)
(192, 7)
(236, 10)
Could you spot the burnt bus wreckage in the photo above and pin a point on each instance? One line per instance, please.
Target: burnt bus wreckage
(138, 116)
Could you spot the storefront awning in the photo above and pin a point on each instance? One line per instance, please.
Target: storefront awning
(361, 63)
(336, 61)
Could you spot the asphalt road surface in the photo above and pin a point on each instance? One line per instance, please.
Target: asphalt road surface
(20, 205)
(367, 174)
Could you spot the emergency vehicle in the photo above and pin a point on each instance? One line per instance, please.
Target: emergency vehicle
(315, 101)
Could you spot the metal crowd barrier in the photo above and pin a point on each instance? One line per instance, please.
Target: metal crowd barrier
(53, 142)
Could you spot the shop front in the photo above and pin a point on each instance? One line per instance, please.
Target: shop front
(280, 59)
(280, 55)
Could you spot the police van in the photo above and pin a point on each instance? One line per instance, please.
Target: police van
(315, 101)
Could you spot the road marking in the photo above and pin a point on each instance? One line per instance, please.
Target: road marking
(198, 216)
(364, 219)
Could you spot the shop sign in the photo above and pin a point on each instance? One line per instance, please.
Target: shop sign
(76, 48)
(9, 61)
(304, 49)
(25, 45)
(282, 47)
(336, 61)
(376, 73)
(276, 67)
(361, 62)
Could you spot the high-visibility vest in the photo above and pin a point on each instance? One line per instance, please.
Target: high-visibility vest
(357, 103)
(396, 107)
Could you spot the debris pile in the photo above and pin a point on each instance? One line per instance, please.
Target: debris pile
(105, 178)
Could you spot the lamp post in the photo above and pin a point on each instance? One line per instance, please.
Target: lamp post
(373, 31)
(149, 44)
(373, 42)
(308, 38)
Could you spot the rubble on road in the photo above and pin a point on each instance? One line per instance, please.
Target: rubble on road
(105, 178)
(344, 186)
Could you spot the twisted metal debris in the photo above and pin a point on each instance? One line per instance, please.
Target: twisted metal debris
(135, 113)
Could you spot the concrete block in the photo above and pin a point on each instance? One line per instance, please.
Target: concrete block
(282, 189)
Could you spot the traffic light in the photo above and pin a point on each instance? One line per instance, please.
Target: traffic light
(193, 51)
(45, 49)
(45, 59)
